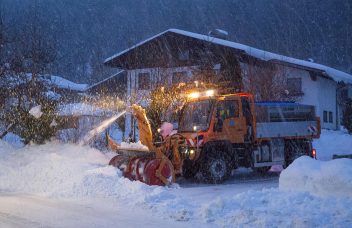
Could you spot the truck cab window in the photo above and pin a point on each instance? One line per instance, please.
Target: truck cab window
(225, 110)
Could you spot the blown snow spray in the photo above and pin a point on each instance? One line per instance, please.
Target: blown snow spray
(100, 128)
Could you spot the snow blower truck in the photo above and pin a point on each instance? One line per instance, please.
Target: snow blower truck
(219, 133)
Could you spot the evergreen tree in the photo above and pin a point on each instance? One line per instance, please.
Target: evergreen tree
(27, 56)
(34, 129)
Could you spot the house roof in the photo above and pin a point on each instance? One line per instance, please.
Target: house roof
(11, 81)
(123, 59)
(106, 79)
(63, 83)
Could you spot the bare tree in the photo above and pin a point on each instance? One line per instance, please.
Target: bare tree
(268, 82)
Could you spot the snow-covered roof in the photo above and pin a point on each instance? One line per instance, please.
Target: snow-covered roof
(63, 83)
(254, 52)
(106, 79)
(51, 80)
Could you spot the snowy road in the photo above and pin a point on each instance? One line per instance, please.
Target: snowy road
(241, 181)
(34, 211)
(19, 210)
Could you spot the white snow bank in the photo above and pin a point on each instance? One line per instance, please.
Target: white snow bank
(274, 208)
(332, 142)
(70, 171)
(13, 139)
(5, 147)
(320, 178)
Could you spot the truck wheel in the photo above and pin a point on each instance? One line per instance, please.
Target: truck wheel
(215, 166)
(295, 149)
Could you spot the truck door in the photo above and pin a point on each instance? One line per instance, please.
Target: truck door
(229, 123)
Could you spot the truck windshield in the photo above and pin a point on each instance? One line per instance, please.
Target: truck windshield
(196, 114)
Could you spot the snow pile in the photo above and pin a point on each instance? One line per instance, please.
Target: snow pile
(138, 145)
(332, 142)
(5, 147)
(13, 139)
(53, 95)
(68, 171)
(273, 208)
(36, 111)
(320, 178)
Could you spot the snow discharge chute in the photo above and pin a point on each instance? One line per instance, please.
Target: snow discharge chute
(150, 166)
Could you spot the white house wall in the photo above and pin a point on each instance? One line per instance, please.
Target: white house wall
(320, 92)
(327, 101)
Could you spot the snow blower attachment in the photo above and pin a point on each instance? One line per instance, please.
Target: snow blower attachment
(150, 166)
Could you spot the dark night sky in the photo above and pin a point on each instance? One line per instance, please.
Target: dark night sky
(85, 32)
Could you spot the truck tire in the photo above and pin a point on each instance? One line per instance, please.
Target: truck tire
(215, 166)
(295, 149)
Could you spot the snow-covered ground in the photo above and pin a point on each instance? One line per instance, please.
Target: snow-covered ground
(333, 142)
(322, 178)
(66, 185)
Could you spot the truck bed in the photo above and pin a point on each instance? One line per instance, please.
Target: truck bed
(285, 119)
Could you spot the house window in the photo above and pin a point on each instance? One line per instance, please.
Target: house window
(325, 116)
(178, 77)
(330, 117)
(294, 86)
(144, 81)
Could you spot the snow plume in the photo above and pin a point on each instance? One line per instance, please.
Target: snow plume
(100, 128)
(322, 178)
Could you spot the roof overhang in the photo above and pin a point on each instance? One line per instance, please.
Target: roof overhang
(172, 48)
